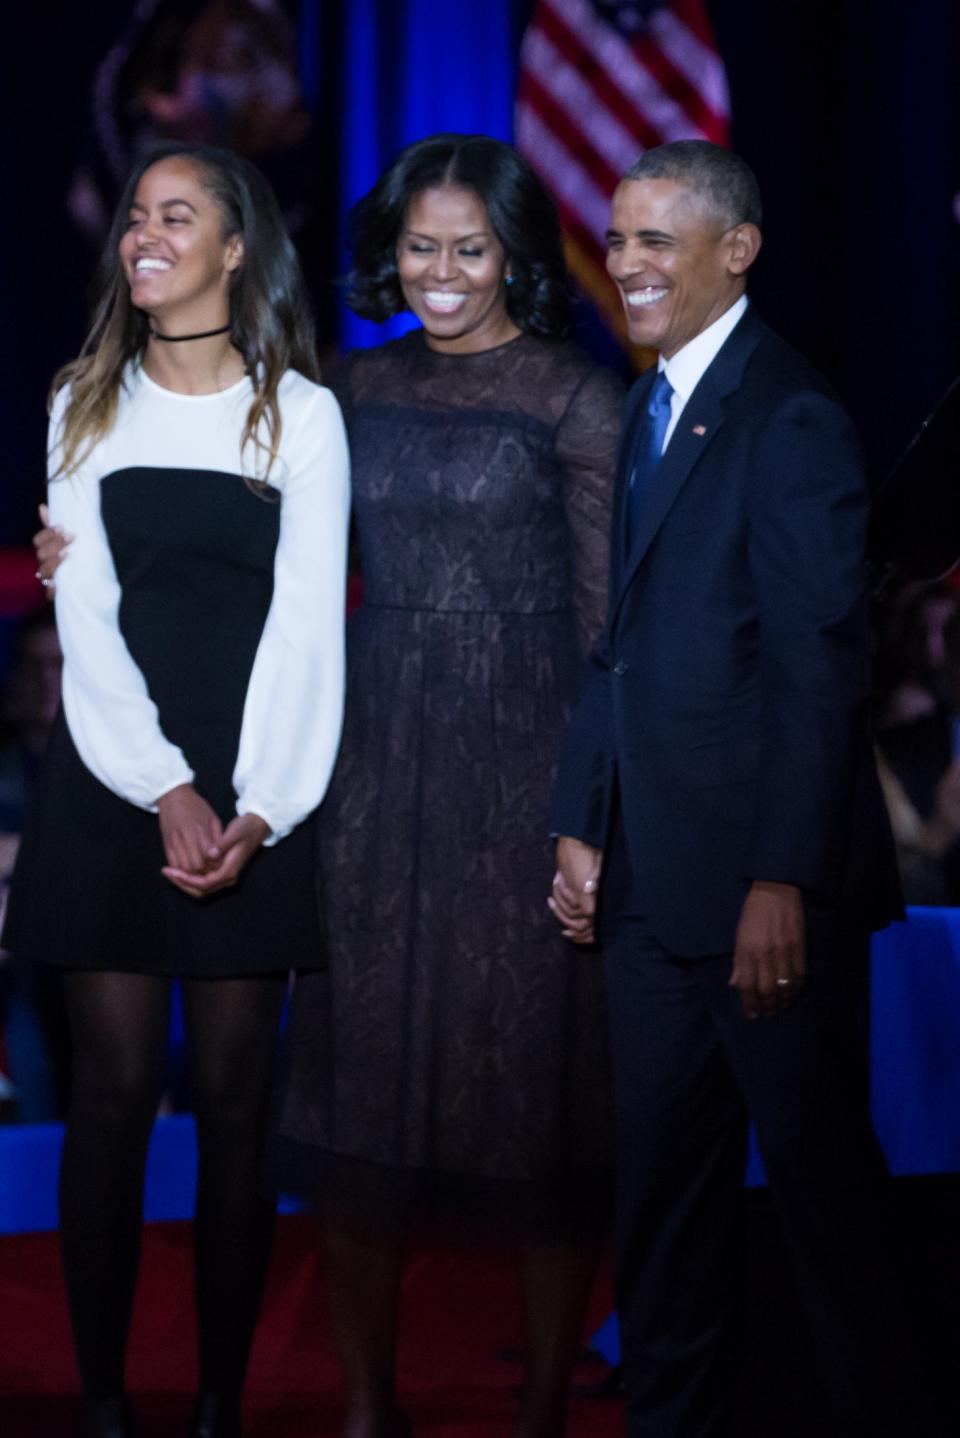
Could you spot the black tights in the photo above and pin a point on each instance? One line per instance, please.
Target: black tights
(119, 1028)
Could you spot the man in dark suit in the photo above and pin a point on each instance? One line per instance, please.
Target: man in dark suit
(719, 766)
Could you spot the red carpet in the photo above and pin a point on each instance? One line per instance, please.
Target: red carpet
(459, 1311)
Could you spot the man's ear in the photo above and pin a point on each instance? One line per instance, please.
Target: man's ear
(233, 257)
(743, 246)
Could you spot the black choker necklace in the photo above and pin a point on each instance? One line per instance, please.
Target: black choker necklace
(181, 339)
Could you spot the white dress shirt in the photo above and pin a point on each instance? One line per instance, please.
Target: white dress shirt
(687, 367)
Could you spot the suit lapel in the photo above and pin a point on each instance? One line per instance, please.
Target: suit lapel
(700, 421)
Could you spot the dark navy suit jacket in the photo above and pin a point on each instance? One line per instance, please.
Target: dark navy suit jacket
(727, 703)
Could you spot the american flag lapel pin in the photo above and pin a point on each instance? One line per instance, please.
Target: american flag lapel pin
(700, 429)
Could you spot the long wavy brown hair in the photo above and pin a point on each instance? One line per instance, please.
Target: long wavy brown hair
(270, 319)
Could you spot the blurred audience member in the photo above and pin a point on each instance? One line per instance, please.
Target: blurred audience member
(27, 711)
(911, 652)
(213, 72)
(921, 772)
(31, 1002)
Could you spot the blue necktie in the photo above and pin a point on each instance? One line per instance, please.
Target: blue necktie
(648, 448)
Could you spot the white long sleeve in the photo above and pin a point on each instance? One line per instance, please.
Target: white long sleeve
(294, 696)
(294, 705)
(112, 719)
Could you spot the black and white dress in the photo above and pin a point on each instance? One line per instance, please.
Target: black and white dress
(201, 623)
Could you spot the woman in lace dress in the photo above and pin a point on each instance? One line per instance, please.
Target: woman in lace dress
(454, 1036)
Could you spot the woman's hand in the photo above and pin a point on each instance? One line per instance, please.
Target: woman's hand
(573, 899)
(49, 544)
(191, 832)
(240, 841)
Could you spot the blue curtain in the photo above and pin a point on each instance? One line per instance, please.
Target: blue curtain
(406, 69)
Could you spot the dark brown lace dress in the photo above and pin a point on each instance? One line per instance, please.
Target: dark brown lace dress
(454, 1031)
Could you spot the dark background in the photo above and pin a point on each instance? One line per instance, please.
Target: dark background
(848, 112)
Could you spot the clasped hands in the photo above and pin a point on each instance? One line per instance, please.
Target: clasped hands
(573, 901)
(202, 855)
(769, 956)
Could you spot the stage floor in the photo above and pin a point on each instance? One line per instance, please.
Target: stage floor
(459, 1315)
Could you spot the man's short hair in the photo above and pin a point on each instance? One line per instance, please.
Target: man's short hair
(720, 177)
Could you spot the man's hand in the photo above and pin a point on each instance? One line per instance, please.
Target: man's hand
(241, 839)
(574, 897)
(49, 545)
(190, 830)
(770, 958)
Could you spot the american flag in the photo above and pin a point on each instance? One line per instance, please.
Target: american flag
(600, 82)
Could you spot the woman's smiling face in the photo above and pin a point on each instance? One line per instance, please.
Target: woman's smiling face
(453, 271)
(174, 253)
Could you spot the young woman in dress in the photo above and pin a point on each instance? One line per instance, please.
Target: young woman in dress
(203, 474)
(453, 1035)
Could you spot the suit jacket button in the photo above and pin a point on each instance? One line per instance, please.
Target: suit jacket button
(620, 667)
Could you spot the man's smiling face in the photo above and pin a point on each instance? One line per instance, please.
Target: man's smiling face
(677, 268)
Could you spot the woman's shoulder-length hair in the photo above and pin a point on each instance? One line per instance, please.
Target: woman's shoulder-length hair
(522, 215)
(270, 317)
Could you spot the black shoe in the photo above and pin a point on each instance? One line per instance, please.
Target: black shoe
(215, 1417)
(107, 1418)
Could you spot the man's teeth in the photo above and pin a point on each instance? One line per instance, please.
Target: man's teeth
(638, 299)
(441, 300)
(151, 264)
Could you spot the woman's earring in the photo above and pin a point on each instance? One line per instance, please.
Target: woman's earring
(509, 279)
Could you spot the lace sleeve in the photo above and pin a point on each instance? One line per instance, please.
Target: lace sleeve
(586, 447)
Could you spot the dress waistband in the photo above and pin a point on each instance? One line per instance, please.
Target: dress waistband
(453, 613)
